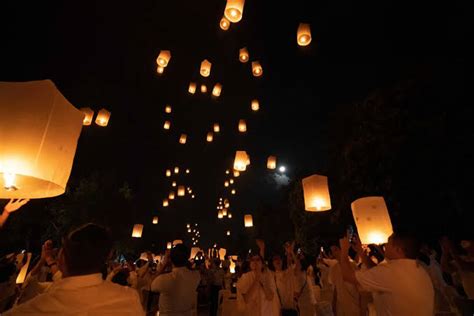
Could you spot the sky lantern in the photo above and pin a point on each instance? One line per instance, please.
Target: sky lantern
(220, 214)
(257, 69)
(171, 195)
(205, 70)
(248, 220)
(209, 137)
(226, 183)
(216, 91)
(228, 233)
(160, 70)
(188, 171)
(176, 170)
(231, 181)
(168, 173)
(167, 125)
(168, 109)
(303, 35)
(222, 252)
(181, 190)
(236, 173)
(254, 105)
(189, 230)
(242, 126)
(316, 193)
(192, 87)
(203, 88)
(193, 196)
(155, 220)
(163, 58)
(188, 225)
(271, 162)
(182, 139)
(194, 252)
(39, 130)
(241, 160)
(173, 184)
(137, 231)
(224, 212)
(226, 203)
(226, 172)
(224, 23)
(233, 10)
(102, 118)
(372, 220)
(177, 242)
(233, 192)
(243, 55)
(216, 128)
(229, 214)
(88, 115)
(169, 245)
(165, 203)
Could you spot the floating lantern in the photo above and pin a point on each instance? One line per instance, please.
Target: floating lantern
(205, 70)
(193, 196)
(209, 137)
(242, 126)
(248, 221)
(222, 253)
(189, 230)
(224, 23)
(182, 139)
(203, 88)
(257, 70)
(316, 193)
(88, 115)
(173, 184)
(160, 70)
(163, 58)
(169, 245)
(188, 225)
(167, 125)
(168, 109)
(168, 172)
(220, 214)
(176, 169)
(271, 162)
(228, 233)
(254, 105)
(241, 160)
(177, 242)
(216, 128)
(303, 35)
(102, 118)
(232, 192)
(194, 252)
(243, 55)
(181, 190)
(165, 202)
(171, 195)
(233, 10)
(229, 215)
(232, 267)
(137, 231)
(226, 203)
(216, 91)
(226, 172)
(192, 87)
(155, 220)
(39, 130)
(188, 171)
(226, 184)
(231, 181)
(224, 212)
(236, 173)
(372, 220)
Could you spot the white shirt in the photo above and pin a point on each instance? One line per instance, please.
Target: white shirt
(400, 288)
(83, 295)
(255, 302)
(177, 291)
(284, 288)
(347, 295)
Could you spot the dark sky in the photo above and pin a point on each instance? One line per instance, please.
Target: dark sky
(102, 54)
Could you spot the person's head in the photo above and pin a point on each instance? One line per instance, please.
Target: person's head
(85, 250)
(277, 262)
(335, 252)
(402, 246)
(256, 262)
(179, 255)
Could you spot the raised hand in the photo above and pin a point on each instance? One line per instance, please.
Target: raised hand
(13, 205)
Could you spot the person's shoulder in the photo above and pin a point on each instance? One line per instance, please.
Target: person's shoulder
(118, 290)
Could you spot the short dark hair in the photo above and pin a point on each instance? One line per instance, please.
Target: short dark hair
(408, 242)
(86, 249)
(179, 255)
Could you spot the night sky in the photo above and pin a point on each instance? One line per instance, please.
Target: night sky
(101, 54)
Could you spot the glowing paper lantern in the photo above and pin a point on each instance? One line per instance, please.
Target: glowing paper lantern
(224, 24)
(255, 106)
(176, 169)
(224, 212)
(39, 130)
(177, 242)
(160, 70)
(168, 172)
(88, 115)
(102, 118)
(232, 267)
(216, 128)
(220, 214)
(232, 192)
(169, 245)
(236, 173)
(205, 70)
(316, 193)
(171, 195)
(226, 203)
(203, 88)
(226, 172)
(188, 225)
(168, 109)
(192, 87)
(167, 125)
(226, 183)
(216, 91)
(233, 10)
(181, 190)
(222, 253)
(257, 69)
(242, 126)
(248, 221)
(137, 231)
(155, 220)
(372, 220)
(194, 252)
(163, 58)
(173, 184)
(20, 279)
(188, 171)
(210, 137)
(243, 55)
(193, 196)
(165, 202)
(182, 139)
(231, 181)
(229, 215)
(303, 35)
(241, 160)
(228, 233)
(271, 162)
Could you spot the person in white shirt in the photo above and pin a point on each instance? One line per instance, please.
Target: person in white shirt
(284, 280)
(82, 291)
(178, 289)
(400, 286)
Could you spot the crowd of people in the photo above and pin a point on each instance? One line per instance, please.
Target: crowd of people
(85, 277)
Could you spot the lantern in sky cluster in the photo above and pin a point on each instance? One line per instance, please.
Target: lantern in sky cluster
(160, 70)
(220, 214)
(137, 231)
(20, 279)
(155, 220)
(167, 125)
(188, 225)
(226, 183)
(181, 190)
(203, 88)
(102, 118)
(171, 195)
(243, 55)
(224, 212)
(255, 106)
(192, 87)
(189, 230)
(88, 115)
(163, 58)
(165, 203)
(222, 252)
(303, 35)
(205, 70)
(242, 126)
(228, 233)
(168, 172)
(182, 139)
(236, 173)
(176, 169)
(224, 23)
(39, 130)
(216, 91)
(216, 128)
(168, 109)
(188, 171)
(210, 137)
(169, 245)
(316, 193)
(241, 160)
(226, 172)
(231, 181)
(232, 192)
(271, 162)
(257, 70)
(177, 242)
(248, 221)
(233, 10)
(226, 203)
(229, 214)
(193, 196)
(372, 220)
(173, 184)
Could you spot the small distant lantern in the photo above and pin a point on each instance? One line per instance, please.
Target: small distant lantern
(220, 214)
(188, 225)
(254, 105)
(216, 128)
(231, 181)
(228, 233)
(233, 10)
(160, 70)
(248, 221)
(163, 58)
(224, 212)
(88, 115)
(188, 171)
(236, 173)
(224, 23)
(173, 184)
(176, 169)
(241, 160)
(232, 192)
(372, 220)
(171, 195)
(189, 230)
(226, 203)
(155, 220)
(243, 55)
(181, 190)
(226, 172)
(137, 231)
(192, 87)
(242, 126)
(257, 70)
(209, 137)
(168, 172)
(316, 193)
(165, 203)
(167, 125)
(193, 196)
(226, 184)
(168, 109)
(203, 88)
(169, 245)
(229, 215)
(177, 242)
(102, 118)
(216, 91)
(271, 162)
(303, 35)
(182, 139)
(205, 70)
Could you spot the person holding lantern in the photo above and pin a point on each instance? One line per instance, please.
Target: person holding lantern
(12, 206)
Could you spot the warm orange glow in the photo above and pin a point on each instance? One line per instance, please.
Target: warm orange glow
(193, 196)
(155, 220)
(303, 35)
(242, 126)
(271, 162)
(165, 203)
(226, 172)
(231, 181)
(163, 58)
(229, 215)
(236, 173)
(243, 55)
(20, 279)
(216, 128)
(182, 139)
(226, 183)
(171, 195)
(173, 184)
(88, 115)
(160, 70)
(192, 87)
(248, 221)
(216, 91)
(210, 137)
(137, 231)
(255, 105)
(372, 220)
(167, 125)
(257, 69)
(224, 212)
(168, 109)
(316, 193)
(233, 192)
(169, 245)
(224, 23)
(203, 88)
(177, 242)
(220, 214)
(233, 10)
(228, 233)
(181, 190)
(205, 70)
(176, 169)
(241, 160)
(168, 173)
(188, 171)
(102, 118)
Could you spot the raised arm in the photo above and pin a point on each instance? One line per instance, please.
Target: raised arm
(12, 206)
